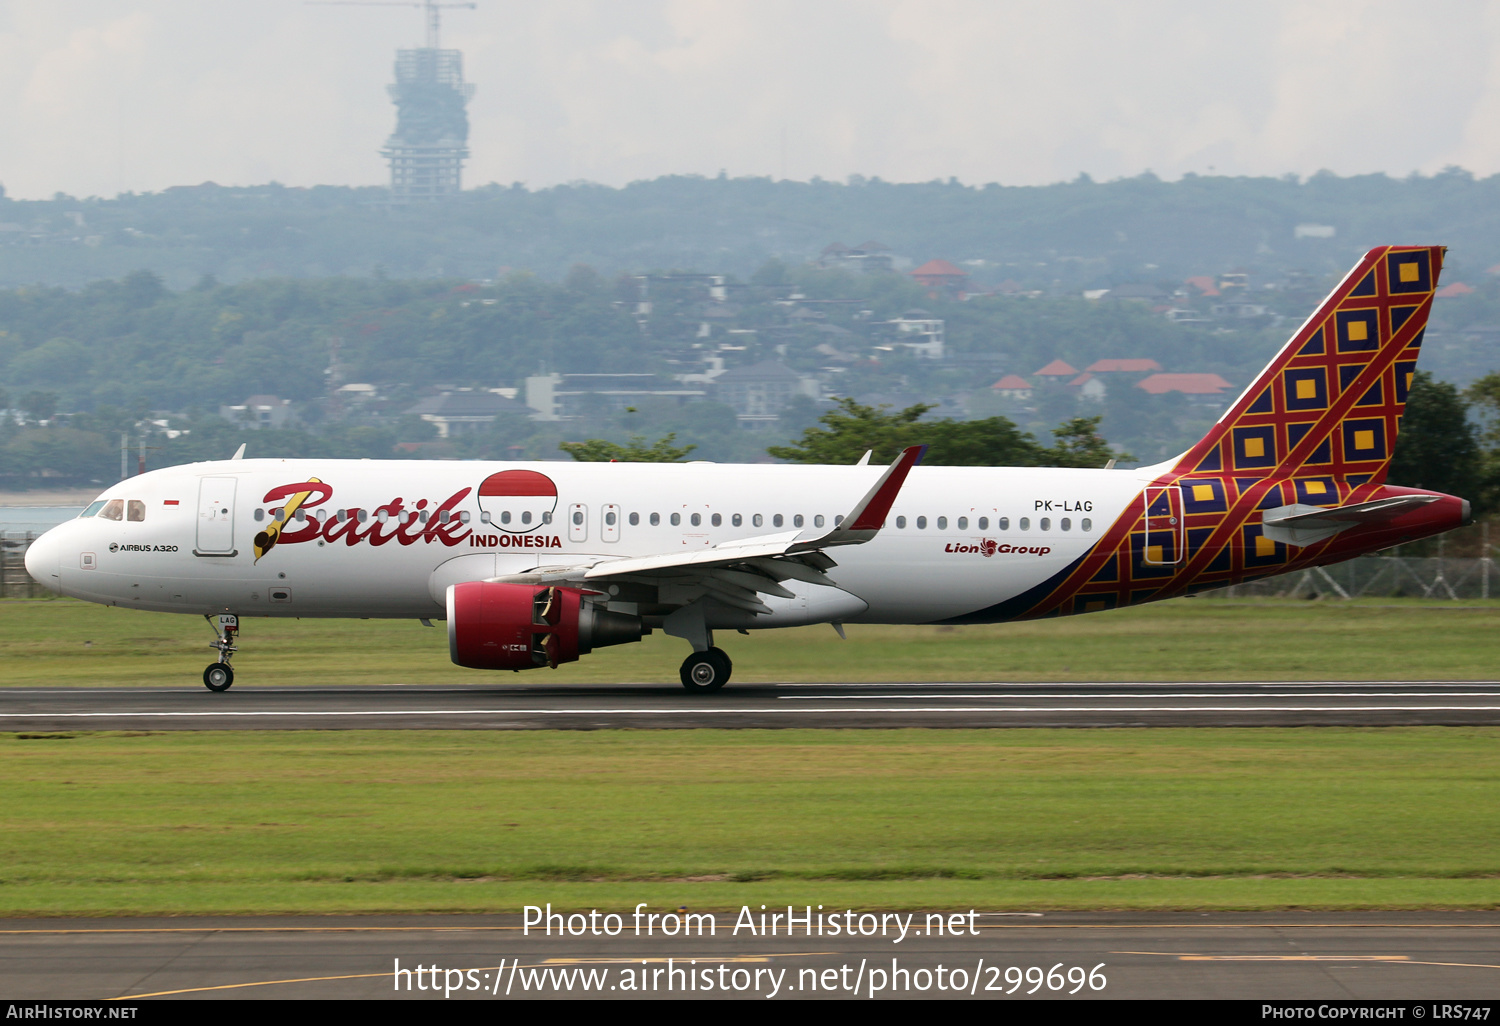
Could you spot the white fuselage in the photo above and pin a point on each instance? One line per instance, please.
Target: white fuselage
(957, 540)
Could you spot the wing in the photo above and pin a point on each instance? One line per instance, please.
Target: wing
(736, 573)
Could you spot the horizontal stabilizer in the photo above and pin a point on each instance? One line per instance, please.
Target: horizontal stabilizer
(1300, 524)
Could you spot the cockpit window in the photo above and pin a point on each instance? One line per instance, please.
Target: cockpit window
(93, 508)
(135, 511)
(114, 509)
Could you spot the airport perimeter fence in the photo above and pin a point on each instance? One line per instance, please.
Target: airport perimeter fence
(1385, 575)
(15, 582)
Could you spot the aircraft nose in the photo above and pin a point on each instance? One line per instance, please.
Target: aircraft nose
(42, 561)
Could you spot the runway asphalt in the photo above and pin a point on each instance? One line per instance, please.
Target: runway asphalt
(1438, 956)
(585, 707)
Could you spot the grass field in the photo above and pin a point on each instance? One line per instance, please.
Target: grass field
(369, 821)
(63, 642)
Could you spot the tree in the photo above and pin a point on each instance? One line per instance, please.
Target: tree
(853, 428)
(597, 450)
(1436, 447)
(1079, 444)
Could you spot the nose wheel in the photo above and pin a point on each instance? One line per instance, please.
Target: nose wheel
(706, 671)
(218, 676)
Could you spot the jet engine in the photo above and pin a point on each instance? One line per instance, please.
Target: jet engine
(495, 626)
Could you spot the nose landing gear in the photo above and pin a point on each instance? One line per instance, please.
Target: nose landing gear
(220, 675)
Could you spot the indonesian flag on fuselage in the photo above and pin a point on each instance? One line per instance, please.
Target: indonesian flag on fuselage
(518, 500)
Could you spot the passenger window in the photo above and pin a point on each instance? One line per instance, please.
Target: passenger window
(901, 523)
(526, 516)
(838, 520)
(463, 518)
(1025, 523)
(1003, 524)
(443, 517)
(384, 516)
(737, 520)
(1046, 524)
(635, 519)
(609, 519)
(697, 519)
(676, 519)
(716, 520)
(984, 523)
(1087, 524)
(777, 520)
(818, 520)
(135, 511)
(484, 517)
(797, 520)
(921, 523)
(114, 509)
(422, 516)
(260, 515)
(505, 516)
(1065, 524)
(578, 517)
(942, 523)
(758, 520)
(93, 508)
(655, 519)
(963, 523)
(547, 517)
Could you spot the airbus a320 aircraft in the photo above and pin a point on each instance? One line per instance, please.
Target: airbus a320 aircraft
(537, 564)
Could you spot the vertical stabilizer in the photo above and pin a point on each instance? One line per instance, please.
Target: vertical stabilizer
(1330, 403)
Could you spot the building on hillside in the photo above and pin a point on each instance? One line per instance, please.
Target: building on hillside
(1135, 293)
(1088, 387)
(569, 396)
(939, 276)
(259, 411)
(1204, 285)
(866, 258)
(1128, 366)
(761, 391)
(1203, 388)
(1012, 386)
(917, 331)
(1056, 371)
(464, 411)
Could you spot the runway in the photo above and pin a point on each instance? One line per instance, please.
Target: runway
(656, 706)
(1445, 956)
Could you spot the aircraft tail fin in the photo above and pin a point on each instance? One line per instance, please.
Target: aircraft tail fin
(1330, 403)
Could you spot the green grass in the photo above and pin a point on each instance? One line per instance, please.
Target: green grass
(75, 644)
(367, 821)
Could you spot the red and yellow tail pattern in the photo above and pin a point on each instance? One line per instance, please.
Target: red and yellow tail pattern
(1317, 428)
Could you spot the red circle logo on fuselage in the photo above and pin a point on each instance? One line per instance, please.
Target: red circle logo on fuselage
(518, 501)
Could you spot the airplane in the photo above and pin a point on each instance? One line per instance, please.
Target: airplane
(535, 564)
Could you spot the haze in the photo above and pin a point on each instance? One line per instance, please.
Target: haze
(103, 96)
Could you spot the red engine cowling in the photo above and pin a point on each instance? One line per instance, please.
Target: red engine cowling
(496, 626)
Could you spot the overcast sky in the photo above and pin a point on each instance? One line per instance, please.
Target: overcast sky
(103, 96)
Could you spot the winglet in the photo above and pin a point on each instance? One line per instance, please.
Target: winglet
(866, 518)
(239, 453)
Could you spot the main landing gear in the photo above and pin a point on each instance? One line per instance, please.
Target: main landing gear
(707, 670)
(218, 676)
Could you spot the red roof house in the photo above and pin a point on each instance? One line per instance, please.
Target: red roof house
(1013, 386)
(1187, 384)
(1204, 284)
(1057, 369)
(937, 274)
(1123, 367)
